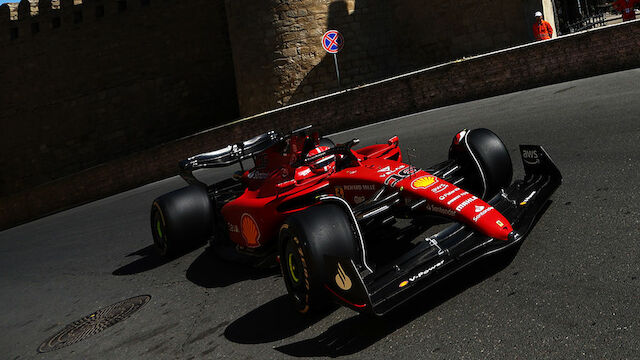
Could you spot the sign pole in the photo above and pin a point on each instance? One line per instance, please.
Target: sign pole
(332, 42)
(335, 60)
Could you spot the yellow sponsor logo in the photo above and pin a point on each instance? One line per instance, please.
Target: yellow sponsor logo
(423, 182)
(499, 223)
(403, 284)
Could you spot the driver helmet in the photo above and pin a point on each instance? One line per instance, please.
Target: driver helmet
(324, 164)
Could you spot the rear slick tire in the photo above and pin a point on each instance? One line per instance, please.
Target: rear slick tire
(181, 220)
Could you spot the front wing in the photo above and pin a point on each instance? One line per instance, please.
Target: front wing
(448, 251)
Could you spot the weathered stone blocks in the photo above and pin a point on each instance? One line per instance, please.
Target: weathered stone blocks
(383, 38)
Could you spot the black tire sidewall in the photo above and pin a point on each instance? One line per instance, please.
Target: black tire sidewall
(486, 160)
(323, 229)
(187, 218)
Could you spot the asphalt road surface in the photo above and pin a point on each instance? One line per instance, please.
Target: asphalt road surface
(572, 291)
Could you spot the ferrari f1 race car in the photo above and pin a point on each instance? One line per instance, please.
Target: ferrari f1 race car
(322, 211)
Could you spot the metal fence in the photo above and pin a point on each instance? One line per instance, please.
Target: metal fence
(588, 23)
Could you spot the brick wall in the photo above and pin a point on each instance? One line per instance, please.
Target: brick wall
(579, 55)
(277, 52)
(85, 84)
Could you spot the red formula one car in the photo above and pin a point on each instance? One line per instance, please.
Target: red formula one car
(349, 225)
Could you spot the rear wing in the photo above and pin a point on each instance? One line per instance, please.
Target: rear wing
(233, 154)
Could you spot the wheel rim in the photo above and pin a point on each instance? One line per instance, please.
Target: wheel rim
(294, 269)
(159, 228)
(159, 232)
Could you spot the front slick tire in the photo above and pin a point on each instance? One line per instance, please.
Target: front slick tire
(303, 240)
(294, 263)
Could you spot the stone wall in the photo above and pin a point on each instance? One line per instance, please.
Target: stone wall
(278, 56)
(81, 85)
(279, 59)
(84, 83)
(575, 56)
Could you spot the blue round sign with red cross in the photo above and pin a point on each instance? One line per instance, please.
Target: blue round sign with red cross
(332, 41)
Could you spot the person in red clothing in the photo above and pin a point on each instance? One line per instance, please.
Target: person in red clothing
(626, 8)
(542, 30)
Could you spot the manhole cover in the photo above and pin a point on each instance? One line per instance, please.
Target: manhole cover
(94, 323)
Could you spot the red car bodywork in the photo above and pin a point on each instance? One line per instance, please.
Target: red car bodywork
(254, 218)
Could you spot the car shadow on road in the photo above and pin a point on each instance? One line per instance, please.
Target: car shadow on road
(361, 331)
(149, 260)
(273, 321)
(210, 270)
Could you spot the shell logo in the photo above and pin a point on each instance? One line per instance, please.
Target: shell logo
(250, 231)
(403, 284)
(423, 182)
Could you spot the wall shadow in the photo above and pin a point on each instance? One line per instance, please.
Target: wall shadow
(366, 55)
(387, 38)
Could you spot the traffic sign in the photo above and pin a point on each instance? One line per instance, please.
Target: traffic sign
(332, 41)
